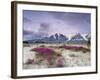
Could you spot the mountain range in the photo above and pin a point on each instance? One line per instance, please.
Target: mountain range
(60, 38)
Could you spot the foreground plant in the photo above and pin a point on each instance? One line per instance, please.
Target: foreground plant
(44, 51)
(75, 48)
(30, 61)
(52, 57)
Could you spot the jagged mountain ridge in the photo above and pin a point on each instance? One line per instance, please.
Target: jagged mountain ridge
(60, 38)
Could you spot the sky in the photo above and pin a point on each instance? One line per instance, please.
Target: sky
(37, 24)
